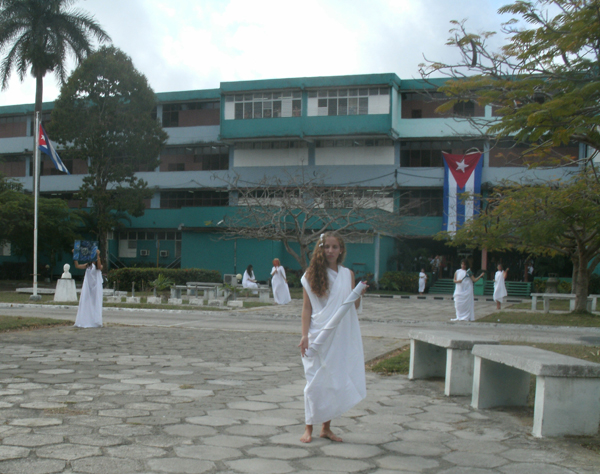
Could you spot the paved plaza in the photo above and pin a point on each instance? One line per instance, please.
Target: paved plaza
(203, 392)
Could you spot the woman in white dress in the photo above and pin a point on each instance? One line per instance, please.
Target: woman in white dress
(89, 312)
(281, 291)
(248, 281)
(500, 286)
(422, 281)
(464, 302)
(335, 377)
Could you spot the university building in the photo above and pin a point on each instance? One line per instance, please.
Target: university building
(375, 131)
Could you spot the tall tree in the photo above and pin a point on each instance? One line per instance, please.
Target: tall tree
(296, 208)
(38, 35)
(543, 84)
(104, 116)
(557, 218)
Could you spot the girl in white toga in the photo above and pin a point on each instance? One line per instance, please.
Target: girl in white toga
(464, 302)
(335, 377)
(281, 290)
(499, 286)
(89, 312)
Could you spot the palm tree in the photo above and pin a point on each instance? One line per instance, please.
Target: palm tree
(39, 34)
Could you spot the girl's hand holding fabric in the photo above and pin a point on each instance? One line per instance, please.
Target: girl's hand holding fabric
(303, 345)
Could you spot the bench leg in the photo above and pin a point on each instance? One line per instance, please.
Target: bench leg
(534, 303)
(459, 372)
(546, 305)
(263, 296)
(426, 360)
(566, 406)
(594, 301)
(571, 305)
(498, 385)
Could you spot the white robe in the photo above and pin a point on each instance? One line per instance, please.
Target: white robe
(463, 297)
(246, 283)
(335, 378)
(499, 287)
(281, 291)
(89, 312)
(422, 282)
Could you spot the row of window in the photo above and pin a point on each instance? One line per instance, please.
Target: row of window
(179, 199)
(145, 235)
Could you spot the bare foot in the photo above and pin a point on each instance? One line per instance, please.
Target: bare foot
(307, 436)
(327, 433)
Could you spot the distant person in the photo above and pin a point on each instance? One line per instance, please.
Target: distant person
(248, 280)
(89, 312)
(281, 290)
(422, 281)
(500, 286)
(464, 300)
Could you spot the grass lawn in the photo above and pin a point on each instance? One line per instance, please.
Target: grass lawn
(15, 323)
(555, 305)
(542, 319)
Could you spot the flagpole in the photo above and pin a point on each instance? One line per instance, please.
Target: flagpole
(36, 193)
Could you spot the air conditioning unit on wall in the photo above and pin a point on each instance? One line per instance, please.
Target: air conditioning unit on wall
(230, 280)
(144, 253)
(164, 253)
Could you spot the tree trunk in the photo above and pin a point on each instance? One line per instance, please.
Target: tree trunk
(581, 288)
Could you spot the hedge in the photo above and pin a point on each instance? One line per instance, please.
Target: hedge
(399, 281)
(124, 277)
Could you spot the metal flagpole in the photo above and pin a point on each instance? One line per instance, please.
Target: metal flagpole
(36, 193)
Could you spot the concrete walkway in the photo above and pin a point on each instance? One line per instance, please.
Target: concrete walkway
(195, 392)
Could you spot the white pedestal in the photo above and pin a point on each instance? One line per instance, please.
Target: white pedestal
(65, 290)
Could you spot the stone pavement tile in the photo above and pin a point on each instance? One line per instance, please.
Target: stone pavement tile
(133, 451)
(407, 463)
(475, 446)
(350, 451)
(467, 470)
(534, 468)
(32, 466)
(12, 452)
(190, 431)
(424, 436)
(207, 453)
(260, 466)
(68, 452)
(278, 452)
(533, 455)
(32, 440)
(105, 465)
(482, 460)
(327, 463)
(417, 448)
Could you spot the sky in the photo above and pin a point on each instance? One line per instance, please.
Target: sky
(196, 44)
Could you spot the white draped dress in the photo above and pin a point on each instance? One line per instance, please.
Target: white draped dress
(463, 297)
(422, 282)
(281, 291)
(246, 283)
(335, 377)
(89, 312)
(499, 287)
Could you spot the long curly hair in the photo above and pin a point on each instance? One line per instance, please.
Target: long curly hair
(317, 269)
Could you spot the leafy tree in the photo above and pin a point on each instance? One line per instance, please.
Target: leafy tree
(57, 225)
(559, 218)
(104, 115)
(38, 35)
(543, 84)
(296, 208)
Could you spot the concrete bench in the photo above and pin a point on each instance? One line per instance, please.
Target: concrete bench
(444, 354)
(263, 294)
(210, 290)
(567, 391)
(176, 291)
(546, 297)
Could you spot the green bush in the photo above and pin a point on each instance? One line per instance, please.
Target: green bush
(293, 280)
(124, 277)
(594, 287)
(539, 286)
(399, 281)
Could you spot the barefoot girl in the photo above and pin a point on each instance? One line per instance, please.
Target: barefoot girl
(335, 377)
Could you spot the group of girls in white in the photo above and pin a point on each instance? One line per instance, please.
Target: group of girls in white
(279, 284)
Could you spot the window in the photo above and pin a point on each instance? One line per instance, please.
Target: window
(5, 249)
(428, 154)
(274, 145)
(353, 143)
(361, 101)
(179, 199)
(465, 108)
(188, 114)
(199, 158)
(422, 202)
(261, 105)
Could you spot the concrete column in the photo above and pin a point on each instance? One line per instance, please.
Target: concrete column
(426, 360)
(566, 406)
(498, 385)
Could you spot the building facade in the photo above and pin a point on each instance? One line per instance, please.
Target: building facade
(375, 131)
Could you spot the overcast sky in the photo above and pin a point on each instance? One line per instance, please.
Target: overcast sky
(196, 44)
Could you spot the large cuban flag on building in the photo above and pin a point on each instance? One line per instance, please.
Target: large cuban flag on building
(46, 147)
(462, 174)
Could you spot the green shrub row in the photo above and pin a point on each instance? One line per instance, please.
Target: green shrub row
(399, 281)
(124, 277)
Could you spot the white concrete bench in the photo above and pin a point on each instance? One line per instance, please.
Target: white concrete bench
(567, 391)
(444, 354)
(263, 294)
(210, 290)
(546, 297)
(176, 291)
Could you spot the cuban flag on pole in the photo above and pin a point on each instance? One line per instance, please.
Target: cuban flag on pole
(462, 174)
(46, 147)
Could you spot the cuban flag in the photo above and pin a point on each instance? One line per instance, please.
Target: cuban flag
(46, 147)
(462, 174)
